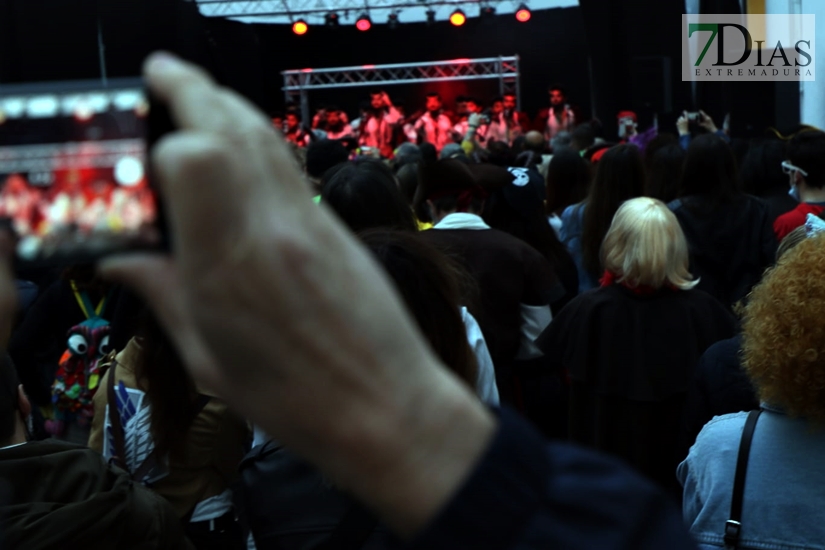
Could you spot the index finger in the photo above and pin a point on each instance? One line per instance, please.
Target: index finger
(195, 101)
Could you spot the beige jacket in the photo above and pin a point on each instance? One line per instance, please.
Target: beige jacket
(214, 446)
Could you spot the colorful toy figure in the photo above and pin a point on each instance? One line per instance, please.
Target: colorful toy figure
(78, 373)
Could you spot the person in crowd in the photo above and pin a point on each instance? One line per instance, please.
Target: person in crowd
(434, 126)
(805, 167)
(294, 131)
(290, 504)
(407, 153)
(531, 155)
(58, 347)
(729, 232)
(619, 177)
(516, 284)
(691, 124)
(185, 443)
(660, 141)
(558, 117)
(59, 495)
(365, 194)
(783, 354)
(336, 124)
(502, 127)
(471, 106)
(248, 301)
(377, 125)
(762, 176)
(563, 140)
(567, 183)
(500, 154)
(665, 172)
(322, 155)
(628, 124)
(408, 183)
(721, 385)
(630, 347)
(583, 137)
(278, 120)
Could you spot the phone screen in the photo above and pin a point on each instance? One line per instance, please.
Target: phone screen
(74, 180)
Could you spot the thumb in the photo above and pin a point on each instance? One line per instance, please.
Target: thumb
(155, 278)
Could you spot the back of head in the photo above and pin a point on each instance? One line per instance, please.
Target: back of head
(9, 399)
(430, 285)
(500, 154)
(658, 142)
(561, 141)
(450, 186)
(620, 176)
(534, 141)
(783, 339)
(761, 171)
(710, 170)
(169, 388)
(568, 180)
(365, 194)
(645, 246)
(408, 181)
(322, 155)
(806, 150)
(665, 172)
(583, 136)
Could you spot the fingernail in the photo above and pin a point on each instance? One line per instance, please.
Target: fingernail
(162, 60)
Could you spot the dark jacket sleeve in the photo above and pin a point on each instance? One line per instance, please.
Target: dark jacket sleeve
(527, 493)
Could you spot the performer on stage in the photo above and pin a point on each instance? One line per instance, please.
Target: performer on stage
(434, 126)
(559, 117)
(376, 130)
(504, 125)
(293, 132)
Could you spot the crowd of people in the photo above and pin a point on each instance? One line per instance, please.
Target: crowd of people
(543, 343)
(382, 126)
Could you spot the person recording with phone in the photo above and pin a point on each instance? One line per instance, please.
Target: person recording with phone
(377, 126)
(691, 124)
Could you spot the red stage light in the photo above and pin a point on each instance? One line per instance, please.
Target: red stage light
(364, 23)
(300, 27)
(458, 18)
(523, 14)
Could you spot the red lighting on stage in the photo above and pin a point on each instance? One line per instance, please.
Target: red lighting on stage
(523, 14)
(462, 60)
(368, 67)
(458, 18)
(300, 27)
(364, 23)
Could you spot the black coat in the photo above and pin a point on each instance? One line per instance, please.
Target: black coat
(630, 359)
(731, 244)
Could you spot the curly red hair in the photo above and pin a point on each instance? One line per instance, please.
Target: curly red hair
(784, 333)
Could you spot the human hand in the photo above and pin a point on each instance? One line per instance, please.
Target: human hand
(683, 124)
(475, 120)
(272, 303)
(707, 123)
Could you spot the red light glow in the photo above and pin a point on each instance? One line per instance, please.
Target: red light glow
(363, 24)
(523, 15)
(458, 18)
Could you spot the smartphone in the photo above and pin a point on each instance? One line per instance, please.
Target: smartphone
(74, 172)
(694, 117)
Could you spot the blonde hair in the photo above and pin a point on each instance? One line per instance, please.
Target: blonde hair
(645, 246)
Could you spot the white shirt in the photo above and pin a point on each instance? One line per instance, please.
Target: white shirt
(377, 131)
(461, 220)
(486, 386)
(437, 131)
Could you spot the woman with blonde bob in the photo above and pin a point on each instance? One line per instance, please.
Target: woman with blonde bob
(783, 352)
(630, 346)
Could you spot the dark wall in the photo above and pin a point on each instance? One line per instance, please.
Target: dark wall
(552, 47)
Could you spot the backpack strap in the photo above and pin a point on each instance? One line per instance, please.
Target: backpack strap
(119, 455)
(733, 526)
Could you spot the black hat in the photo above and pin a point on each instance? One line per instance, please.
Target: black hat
(521, 188)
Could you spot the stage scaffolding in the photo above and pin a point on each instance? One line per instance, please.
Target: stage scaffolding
(301, 81)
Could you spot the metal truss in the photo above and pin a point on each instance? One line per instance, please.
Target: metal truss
(255, 8)
(301, 81)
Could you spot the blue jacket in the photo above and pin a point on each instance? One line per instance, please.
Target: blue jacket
(784, 499)
(572, 224)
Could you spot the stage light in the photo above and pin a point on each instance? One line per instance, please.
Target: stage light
(487, 11)
(364, 23)
(523, 14)
(300, 27)
(331, 19)
(458, 18)
(392, 21)
(430, 17)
